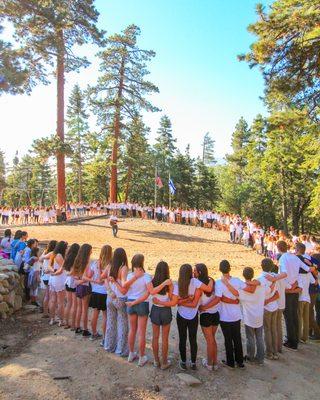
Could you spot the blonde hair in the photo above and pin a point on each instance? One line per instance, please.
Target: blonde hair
(105, 256)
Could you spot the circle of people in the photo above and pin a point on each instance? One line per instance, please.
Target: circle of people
(126, 296)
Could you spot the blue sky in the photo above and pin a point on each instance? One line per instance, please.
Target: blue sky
(203, 87)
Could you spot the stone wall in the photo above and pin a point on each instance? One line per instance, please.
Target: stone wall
(11, 288)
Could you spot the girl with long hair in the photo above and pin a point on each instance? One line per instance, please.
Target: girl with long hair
(70, 308)
(96, 274)
(137, 308)
(83, 289)
(161, 288)
(209, 317)
(57, 282)
(45, 276)
(189, 291)
(116, 337)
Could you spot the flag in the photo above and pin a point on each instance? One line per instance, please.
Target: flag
(172, 188)
(159, 182)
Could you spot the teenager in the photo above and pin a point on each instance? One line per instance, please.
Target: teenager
(33, 267)
(45, 276)
(70, 285)
(116, 337)
(189, 291)
(230, 315)
(161, 289)
(137, 308)
(289, 265)
(5, 245)
(97, 273)
(83, 289)
(209, 317)
(114, 223)
(57, 282)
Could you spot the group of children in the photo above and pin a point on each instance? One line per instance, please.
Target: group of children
(126, 296)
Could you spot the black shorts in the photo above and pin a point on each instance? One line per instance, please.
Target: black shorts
(161, 315)
(207, 319)
(69, 289)
(98, 301)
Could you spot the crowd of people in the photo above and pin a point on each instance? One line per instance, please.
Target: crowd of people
(126, 297)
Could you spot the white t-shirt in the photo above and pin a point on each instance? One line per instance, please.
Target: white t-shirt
(290, 264)
(229, 312)
(161, 297)
(96, 287)
(139, 287)
(252, 305)
(282, 285)
(204, 300)
(304, 281)
(273, 305)
(188, 312)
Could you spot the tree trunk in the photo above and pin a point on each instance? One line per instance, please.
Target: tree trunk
(126, 195)
(114, 154)
(284, 202)
(61, 179)
(79, 167)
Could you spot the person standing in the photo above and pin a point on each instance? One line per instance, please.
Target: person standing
(289, 265)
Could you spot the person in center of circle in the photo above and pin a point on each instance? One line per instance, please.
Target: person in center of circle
(189, 291)
(137, 308)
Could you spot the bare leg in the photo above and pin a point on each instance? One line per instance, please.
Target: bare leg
(85, 305)
(73, 310)
(94, 321)
(142, 327)
(133, 322)
(155, 342)
(52, 304)
(165, 343)
(78, 312)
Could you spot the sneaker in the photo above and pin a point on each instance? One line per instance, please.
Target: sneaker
(166, 366)
(142, 361)
(86, 333)
(314, 338)
(241, 366)
(95, 336)
(183, 365)
(51, 322)
(224, 362)
(156, 364)
(102, 343)
(215, 367)
(287, 346)
(35, 303)
(205, 364)
(269, 356)
(193, 366)
(303, 341)
(276, 356)
(132, 356)
(78, 331)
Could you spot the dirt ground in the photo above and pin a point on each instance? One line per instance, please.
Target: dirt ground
(32, 354)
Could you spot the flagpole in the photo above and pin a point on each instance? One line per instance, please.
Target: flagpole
(169, 192)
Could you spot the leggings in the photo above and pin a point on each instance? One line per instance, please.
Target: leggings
(190, 325)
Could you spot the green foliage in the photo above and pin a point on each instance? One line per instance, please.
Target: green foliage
(208, 150)
(287, 50)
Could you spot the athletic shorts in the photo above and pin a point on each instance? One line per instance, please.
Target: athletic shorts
(69, 289)
(161, 315)
(207, 319)
(98, 301)
(140, 309)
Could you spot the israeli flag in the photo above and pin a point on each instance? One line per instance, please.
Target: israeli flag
(172, 188)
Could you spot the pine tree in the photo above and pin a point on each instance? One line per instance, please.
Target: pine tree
(121, 89)
(48, 30)
(287, 50)
(77, 138)
(137, 161)
(206, 188)
(164, 154)
(208, 150)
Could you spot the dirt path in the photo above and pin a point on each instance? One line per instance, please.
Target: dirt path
(37, 353)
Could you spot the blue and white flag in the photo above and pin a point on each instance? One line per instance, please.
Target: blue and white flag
(172, 188)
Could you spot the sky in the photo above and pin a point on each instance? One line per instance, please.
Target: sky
(203, 87)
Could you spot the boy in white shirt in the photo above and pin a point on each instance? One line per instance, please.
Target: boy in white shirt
(270, 310)
(252, 311)
(230, 315)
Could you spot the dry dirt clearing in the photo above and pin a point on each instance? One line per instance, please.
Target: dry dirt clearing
(37, 353)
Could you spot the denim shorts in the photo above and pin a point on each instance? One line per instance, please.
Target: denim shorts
(161, 315)
(140, 309)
